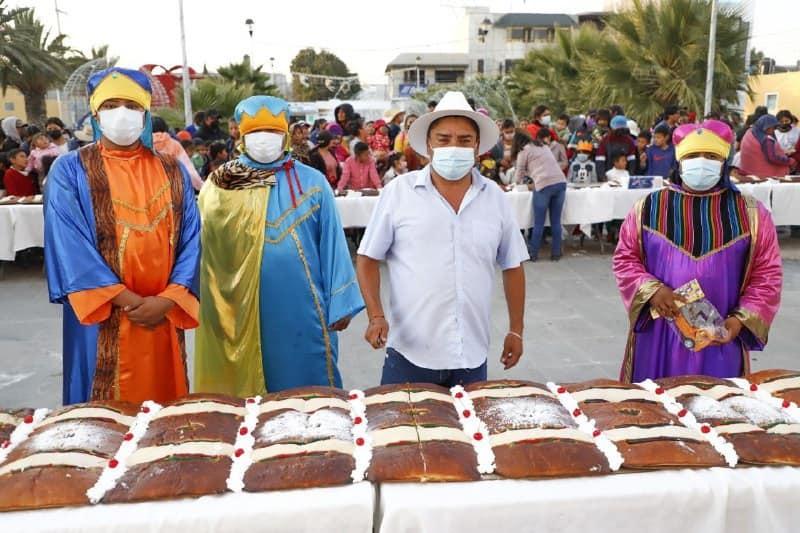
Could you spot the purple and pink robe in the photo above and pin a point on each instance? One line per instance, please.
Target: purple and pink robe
(725, 240)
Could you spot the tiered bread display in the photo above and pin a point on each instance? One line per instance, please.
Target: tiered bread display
(760, 433)
(644, 431)
(415, 435)
(531, 433)
(63, 455)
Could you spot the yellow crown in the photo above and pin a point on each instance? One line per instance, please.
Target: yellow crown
(702, 140)
(118, 85)
(263, 119)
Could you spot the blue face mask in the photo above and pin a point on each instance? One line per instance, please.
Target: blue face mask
(453, 163)
(700, 174)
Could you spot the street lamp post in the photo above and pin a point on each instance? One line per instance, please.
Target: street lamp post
(417, 63)
(483, 31)
(250, 23)
(712, 52)
(187, 90)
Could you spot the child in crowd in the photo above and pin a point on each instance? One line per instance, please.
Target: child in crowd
(582, 169)
(642, 142)
(217, 156)
(660, 157)
(200, 155)
(559, 152)
(562, 129)
(42, 146)
(359, 171)
(619, 173)
(397, 167)
(601, 128)
(16, 179)
(188, 147)
(379, 142)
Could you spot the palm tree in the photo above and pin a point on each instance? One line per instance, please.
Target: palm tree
(244, 73)
(40, 67)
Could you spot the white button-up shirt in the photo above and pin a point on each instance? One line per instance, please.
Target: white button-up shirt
(442, 266)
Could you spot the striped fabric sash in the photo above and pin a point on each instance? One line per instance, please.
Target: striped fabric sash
(697, 224)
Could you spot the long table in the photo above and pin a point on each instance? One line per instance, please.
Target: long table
(21, 226)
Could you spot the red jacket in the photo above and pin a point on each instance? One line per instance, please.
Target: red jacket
(534, 127)
(18, 184)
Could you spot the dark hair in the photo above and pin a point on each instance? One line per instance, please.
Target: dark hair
(47, 162)
(360, 148)
(4, 161)
(563, 117)
(670, 110)
(394, 158)
(663, 129)
(14, 153)
(784, 113)
(508, 123)
(55, 120)
(603, 114)
(200, 116)
(521, 140)
(616, 109)
(216, 148)
(645, 135)
(433, 103)
(713, 115)
(318, 123)
(474, 124)
(543, 133)
(324, 139)
(159, 124)
(617, 156)
(32, 130)
(198, 142)
(353, 127)
(538, 110)
(471, 102)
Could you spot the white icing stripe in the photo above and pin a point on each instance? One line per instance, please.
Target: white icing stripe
(474, 428)
(200, 407)
(519, 435)
(320, 446)
(508, 392)
(302, 405)
(716, 392)
(243, 454)
(155, 453)
(110, 476)
(404, 397)
(784, 429)
(790, 408)
(90, 412)
(730, 429)
(612, 395)
(6, 418)
(76, 459)
(636, 433)
(362, 450)
(21, 432)
(586, 426)
(781, 384)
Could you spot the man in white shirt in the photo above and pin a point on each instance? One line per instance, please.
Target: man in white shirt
(442, 231)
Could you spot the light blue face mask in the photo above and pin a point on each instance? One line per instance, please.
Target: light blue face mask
(700, 174)
(452, 162)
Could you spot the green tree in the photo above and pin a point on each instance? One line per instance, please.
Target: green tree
(33, 61)
(491, 93)
(208, 93)
(309, 61)
(648, 56)
(244, 73)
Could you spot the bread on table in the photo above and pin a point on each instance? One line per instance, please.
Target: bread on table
(783, 384)
(9, 420)
(63, 456)
(645, 433)
(532, 433)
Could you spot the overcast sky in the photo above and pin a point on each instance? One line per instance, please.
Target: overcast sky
(366, 34)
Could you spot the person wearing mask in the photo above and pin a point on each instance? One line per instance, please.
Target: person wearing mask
(660, 156)
(359, 171)
(537, 167)
(210, 130)
(17, 180)
(274, 297)
(323, 159)
(540, 118)
(442, 231)
(761, 155)
(700, 228)
(582, 169)
(57, 131)
(12, 129)
(559, 152)
(233, 138)
(787, 133)
(616, 141)
(397, 167)
(121, 252)
(163, 143)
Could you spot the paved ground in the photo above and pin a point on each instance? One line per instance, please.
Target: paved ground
(575, 329)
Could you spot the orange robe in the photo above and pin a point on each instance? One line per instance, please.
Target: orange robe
(151, 363)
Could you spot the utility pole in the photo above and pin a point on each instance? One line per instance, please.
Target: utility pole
(58, 27)
(712, 52)
(187, 90)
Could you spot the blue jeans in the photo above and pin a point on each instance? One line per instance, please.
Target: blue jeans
(551, 198)
(397, 369)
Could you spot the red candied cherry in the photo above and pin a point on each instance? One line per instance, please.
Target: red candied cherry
(358, 420)
(596, 433)
(128, 436)
(353, 396)
(239, 452)
(576, 412)
(659, 390)
(561, 390)
(243, 431)
(113, 463)
(466, 413)
(459, 395)
(753, 387)
(705, 428)
(28, 419)
(360, 441)
(786, 404)
(478, 436)
(145, 409)
(682, 413)
(5, 444)
(251, 400)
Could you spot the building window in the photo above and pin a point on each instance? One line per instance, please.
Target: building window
(480, 66)
(8, 106)
(541, 35)
(448, 76)
(510, 63)
(517, 34)
(410, 76)
(771, 101)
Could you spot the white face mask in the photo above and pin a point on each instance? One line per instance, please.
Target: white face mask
(545, 120)
(700, 174)
(264, 146)
(121, 126)
(452, 162)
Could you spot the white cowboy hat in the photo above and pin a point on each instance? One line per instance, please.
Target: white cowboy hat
(452, 104)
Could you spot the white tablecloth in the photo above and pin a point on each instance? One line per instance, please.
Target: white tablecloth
(720, 500)
(348, 508)
(786, 204)
(21, 227)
